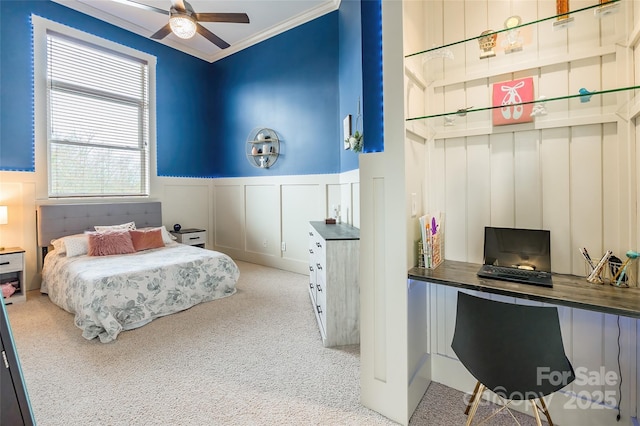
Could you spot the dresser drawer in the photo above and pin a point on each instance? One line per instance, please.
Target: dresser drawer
(11, 262)
(192, 238)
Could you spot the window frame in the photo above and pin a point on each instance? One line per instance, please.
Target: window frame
(41, 28)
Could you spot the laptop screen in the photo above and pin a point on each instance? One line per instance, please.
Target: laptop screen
(518, 248)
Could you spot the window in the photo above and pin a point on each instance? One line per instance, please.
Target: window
(97, 115)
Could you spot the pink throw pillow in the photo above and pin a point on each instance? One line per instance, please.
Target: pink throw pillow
(108, 243)
(146, 239)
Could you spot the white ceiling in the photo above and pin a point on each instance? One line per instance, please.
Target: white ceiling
(267, 19)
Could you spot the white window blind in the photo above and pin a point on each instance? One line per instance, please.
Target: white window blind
(98, 120)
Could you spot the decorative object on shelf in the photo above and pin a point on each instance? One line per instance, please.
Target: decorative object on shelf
(177, 227)
(449, 121)
(346, 131)
(508, 97)
(462, 112)
(263, 147)
(487, 42)
(607, 7)
(539, 108)
(585, 95)
(562, 10)
(513, 39)
(4, 218)
(444, 53)
(354, 141)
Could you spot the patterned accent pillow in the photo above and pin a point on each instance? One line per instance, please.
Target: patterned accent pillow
(76, 245)
(146, 239)
(122, 227)
(110, 242)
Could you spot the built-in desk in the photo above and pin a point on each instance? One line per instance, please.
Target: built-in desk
(568, 290)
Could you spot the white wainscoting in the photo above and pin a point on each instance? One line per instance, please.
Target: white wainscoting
(251, 218)
(591, 344)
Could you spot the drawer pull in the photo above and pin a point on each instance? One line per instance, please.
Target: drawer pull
(311, 251)
(311, 268)
(194, 238)
(4, 263)
(319, 266)
(318, 308)
(318, 244)
(311, 286)
(318, 287)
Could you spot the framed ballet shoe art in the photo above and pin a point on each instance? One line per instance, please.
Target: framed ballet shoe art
(508, 99)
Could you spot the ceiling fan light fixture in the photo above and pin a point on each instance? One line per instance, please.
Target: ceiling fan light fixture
(182, 25)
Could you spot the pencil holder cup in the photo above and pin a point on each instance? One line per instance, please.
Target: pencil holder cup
(616, 273)
(621, 274)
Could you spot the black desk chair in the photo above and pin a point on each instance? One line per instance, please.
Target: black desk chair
(516, 351)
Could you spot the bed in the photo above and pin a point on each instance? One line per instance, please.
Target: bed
(112, 293)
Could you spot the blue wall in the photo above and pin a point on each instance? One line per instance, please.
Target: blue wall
(288, 83)
(179, 89)
(300, 83)
(350, 75)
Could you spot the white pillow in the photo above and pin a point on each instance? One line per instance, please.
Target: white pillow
(59, 243)
(76, 245)
(122, 227)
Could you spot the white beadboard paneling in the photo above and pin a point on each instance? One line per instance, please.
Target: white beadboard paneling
(556, 206)
(587, 349)
(262, 219)
(478, 94)
(528, 195)
(454, 99)
(474, 27)
(554, 82)
(478, 195)
(585, 73)
(502, 180)
(455, 220)
(229, 216)
(586, 193)
(585, 32)
(298, 203)
(453, 32)
(435, 178)
(615, 189)
(333, 199)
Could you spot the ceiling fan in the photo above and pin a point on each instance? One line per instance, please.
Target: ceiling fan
(184, 22)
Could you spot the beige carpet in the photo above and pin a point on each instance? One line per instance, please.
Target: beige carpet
(251, 359)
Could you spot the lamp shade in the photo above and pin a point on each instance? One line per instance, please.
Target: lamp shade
(182, 25)
(4, 215)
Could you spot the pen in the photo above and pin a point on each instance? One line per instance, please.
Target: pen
(585, 254)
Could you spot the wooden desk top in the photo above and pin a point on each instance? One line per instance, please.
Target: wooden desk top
(568, 290)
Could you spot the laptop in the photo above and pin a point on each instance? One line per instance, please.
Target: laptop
(519, 255)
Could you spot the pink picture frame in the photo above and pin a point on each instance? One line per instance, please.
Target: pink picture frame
(507, 97)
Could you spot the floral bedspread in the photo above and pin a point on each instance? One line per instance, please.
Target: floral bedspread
(109, 294)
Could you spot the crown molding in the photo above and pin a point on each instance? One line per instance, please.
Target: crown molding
(87, 9)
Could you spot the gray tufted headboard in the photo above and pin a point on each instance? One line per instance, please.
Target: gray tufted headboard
(59, 220)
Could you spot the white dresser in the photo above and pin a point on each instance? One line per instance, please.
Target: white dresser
(333, 282)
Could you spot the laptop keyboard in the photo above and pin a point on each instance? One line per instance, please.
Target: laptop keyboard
(501, 270)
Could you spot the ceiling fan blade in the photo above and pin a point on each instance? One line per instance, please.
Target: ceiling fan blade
(238, 18)
(162, 32)
(142, 6)
(212, 37)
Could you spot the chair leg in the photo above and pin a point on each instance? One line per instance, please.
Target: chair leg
(545, 410)
(476, 403)
(473, 397)
(535, 412)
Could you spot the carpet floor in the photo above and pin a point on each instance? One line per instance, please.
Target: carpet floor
(255, 358)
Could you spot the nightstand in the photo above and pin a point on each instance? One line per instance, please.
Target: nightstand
(12, 271)
(191, 236)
